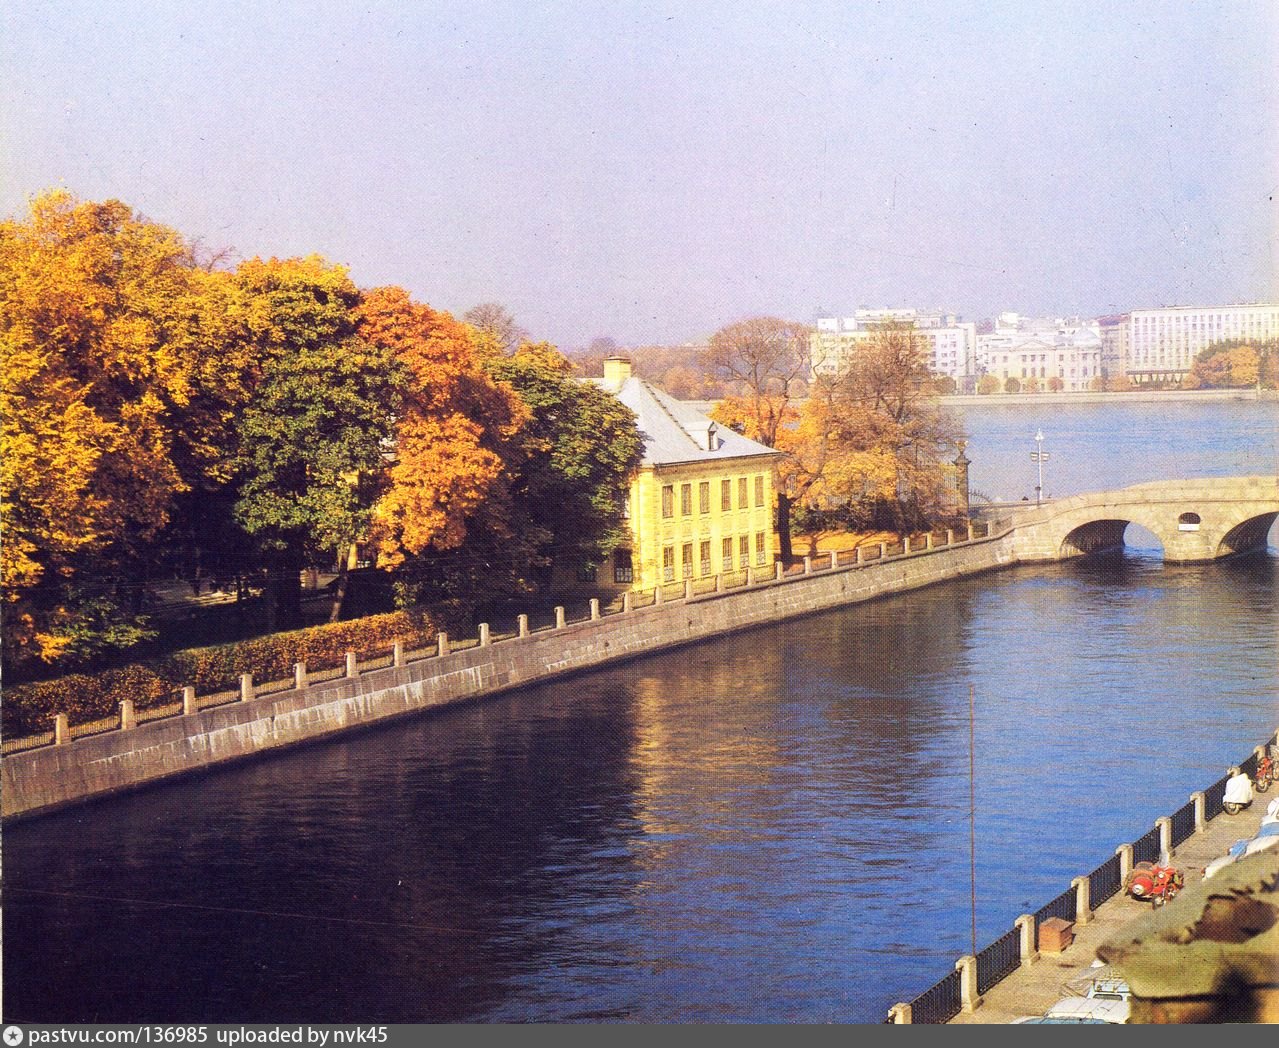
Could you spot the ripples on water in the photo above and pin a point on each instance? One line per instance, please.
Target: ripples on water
(772, 826)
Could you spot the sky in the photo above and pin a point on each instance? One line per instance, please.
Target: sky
(652, 171)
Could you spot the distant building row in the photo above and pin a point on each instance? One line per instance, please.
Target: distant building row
(1147, 345)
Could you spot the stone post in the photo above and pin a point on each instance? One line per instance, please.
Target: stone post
(626, 602)
(657, 594)
(559, 618)
(970, 534)
(128, 718)
(883, 550)
(523, 625)
(900, 1013)
(779, 570)
(1124, 851)
(808, 565)
(485, 639)
(857, 555)
(834, 560)
(1260, 751)
(397, 653)
(352, 667)
(299, 674)
(61, 730)
(719, 583)
(246, 687)
(188, 701)
(750, 575)
(688, 589)
(969, 998)
(1083, 900)
(950, 536)
(595, 608)
(928, 541)
(1026, 925)
(441, 644)
(1201, 821)
(1164, 825)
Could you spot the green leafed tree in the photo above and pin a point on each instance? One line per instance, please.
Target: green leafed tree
(314, 436)
(573, 465)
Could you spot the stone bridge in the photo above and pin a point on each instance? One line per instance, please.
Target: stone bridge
(1195, 520)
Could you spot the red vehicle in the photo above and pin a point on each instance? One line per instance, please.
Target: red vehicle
(1265, 773)
(1159, 884)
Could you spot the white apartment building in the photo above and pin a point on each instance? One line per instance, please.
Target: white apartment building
(1162, 343)
(1066, 349)
(952, 345)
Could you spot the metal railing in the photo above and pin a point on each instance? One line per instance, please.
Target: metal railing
(1183, 823)
(1104, 882)
(1063, 906)
(1146, 847)
(939, 1003)
(998, 959)
(1213, 797)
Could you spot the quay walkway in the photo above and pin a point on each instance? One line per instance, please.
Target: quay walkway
(1033, 988)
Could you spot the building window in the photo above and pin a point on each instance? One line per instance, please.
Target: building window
(744, 550)
(759, 490)
(586, 573)
(725, 495)
(760, 555)
(686, 499)
(668, 563)
(688, 560)
(741, 493)
(623, 568)
(668, 500)
(728, 555)
(705, 551)
(704, 497)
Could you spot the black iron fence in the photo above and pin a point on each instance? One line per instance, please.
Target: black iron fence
(998, 959)
(939, 1003)
(1249, 766)
(1146, 847)
(1213, 797)
(1063, 906)
(1183, 823)
(1104, 882)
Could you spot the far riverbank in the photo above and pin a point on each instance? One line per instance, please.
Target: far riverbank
(1129, 397)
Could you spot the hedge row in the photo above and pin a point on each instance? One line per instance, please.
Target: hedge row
(31, 708)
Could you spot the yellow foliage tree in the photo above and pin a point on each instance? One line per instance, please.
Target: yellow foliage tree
(107, 356)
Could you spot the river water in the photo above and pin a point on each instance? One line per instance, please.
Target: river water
(766, 827)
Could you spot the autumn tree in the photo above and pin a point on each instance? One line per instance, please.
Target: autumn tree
(988, 384)
(573, 464)
(891, 435)
(767, 358)
(1230, 365)
(122, 366)
(446, 512)
(314, 435)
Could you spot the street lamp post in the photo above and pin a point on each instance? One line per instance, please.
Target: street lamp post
(1038, 455)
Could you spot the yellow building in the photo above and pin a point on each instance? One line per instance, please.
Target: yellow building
(702, 501)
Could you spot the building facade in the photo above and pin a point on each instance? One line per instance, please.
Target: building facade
(701, 503)
(1068, 351)
(951, 344)
(1162, 343)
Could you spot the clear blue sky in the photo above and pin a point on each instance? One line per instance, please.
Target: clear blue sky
(652, 171)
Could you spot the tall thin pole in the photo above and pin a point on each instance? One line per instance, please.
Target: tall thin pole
(972, 813)
(1039, 457)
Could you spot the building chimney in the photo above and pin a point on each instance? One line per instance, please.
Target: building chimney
(617, 370)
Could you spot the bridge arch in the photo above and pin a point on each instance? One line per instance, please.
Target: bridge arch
(1248, 536)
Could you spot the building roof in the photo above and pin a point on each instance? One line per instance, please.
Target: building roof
(674, 431)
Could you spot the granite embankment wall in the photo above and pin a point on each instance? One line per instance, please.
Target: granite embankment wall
(53, 776)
